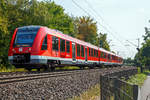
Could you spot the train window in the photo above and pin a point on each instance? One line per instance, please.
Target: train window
(44, 44)
(109, 56)
(89, 51)
(92, 52)
(55, 43)
(113, 57)
(116, 58)
(101, 54)
(62, 45)
(104, 55)
(97, 53)
(25, 37)
(68, 46)
(78, 50)
(82, 51)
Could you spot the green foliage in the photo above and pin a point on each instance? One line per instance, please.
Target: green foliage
(87, 29)
(147, 34)
(3, 35)
(137, 79)
(143, 56)
(67, 67)
(102, 41)
(129, 62)
(145, 53)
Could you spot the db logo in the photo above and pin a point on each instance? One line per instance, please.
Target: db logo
(20, 49)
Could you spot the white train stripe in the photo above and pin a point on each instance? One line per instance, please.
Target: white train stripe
(10, 57)
(64, 59)
(47, 57)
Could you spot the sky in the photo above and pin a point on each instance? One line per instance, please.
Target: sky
(122, 20)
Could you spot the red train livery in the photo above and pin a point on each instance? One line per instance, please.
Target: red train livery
(41, 47)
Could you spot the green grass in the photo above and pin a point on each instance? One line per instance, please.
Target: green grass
(13, 69)
(4, 69)
(90, 94)
(67, 67)
(139, 78)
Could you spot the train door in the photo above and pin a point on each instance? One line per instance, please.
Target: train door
(99, 57)
(85, 53)
(55, 46)
(62, 48)
(73, 52)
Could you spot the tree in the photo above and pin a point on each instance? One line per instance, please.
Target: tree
(142, 58)
(102, 41)
(145, 54)
(129, 61)
(87, 29)
(147, 34)
(3, 35)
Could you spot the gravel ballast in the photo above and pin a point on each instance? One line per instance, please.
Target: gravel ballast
(54, 88)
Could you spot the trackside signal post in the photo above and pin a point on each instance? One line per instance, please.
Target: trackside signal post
(101, 43)
(138, 49)
(138, 60)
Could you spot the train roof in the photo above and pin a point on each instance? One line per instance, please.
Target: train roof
(30, 28)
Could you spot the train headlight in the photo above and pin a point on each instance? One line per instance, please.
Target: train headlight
(29, 49)
(20, 49)
(13, 50)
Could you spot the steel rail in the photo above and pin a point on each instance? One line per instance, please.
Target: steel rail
(35, 75)
(6, 80)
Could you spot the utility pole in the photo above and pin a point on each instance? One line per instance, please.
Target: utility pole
(138, 60)
(138, 42)
(138, 49)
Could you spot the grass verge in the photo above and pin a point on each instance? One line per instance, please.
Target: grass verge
(13, 69)
(91, 94)
(139, 78)
(4, 69)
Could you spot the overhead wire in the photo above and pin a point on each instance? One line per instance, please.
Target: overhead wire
(80, 7)
(99, 16)
(90, 6)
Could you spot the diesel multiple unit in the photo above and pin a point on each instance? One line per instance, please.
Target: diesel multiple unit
(41, 47)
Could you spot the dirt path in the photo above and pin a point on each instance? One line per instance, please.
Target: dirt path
(145, 89)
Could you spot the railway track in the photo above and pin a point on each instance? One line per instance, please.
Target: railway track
(33, 76)
(12, 77)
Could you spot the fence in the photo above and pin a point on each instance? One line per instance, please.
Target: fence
(112, 88)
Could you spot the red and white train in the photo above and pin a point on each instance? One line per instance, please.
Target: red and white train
(41, 47)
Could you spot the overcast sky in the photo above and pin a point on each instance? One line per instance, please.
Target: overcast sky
(121, 19)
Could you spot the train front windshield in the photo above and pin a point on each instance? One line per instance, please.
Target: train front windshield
(24, 38)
